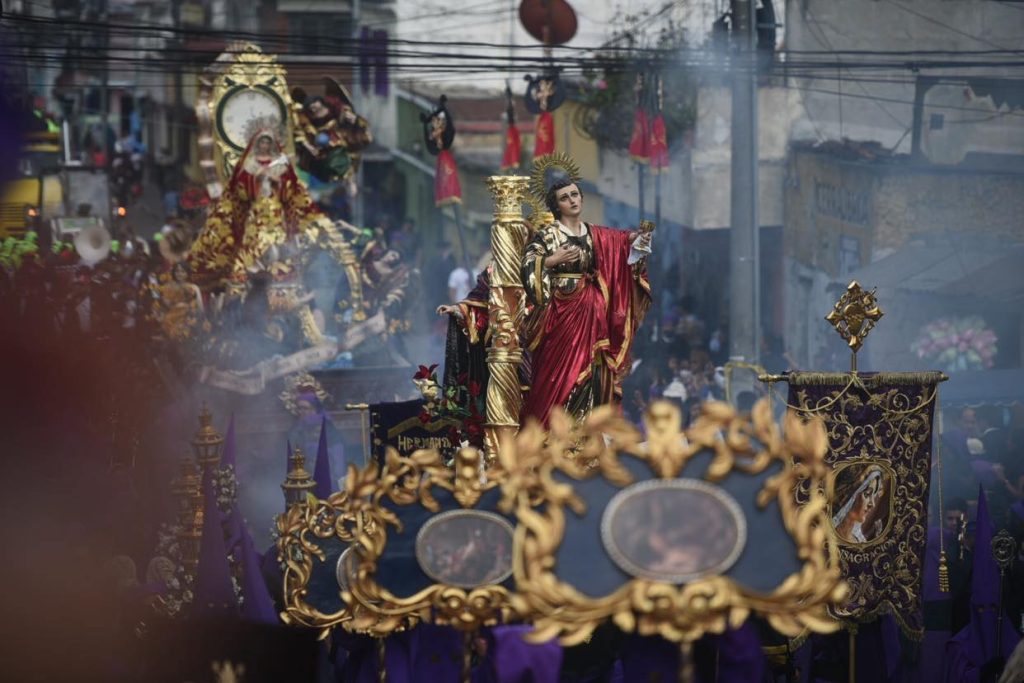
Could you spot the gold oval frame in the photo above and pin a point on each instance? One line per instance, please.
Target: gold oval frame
(440, 519)
(411, 481)
(728, 503)
(341, 569)
(746, 444)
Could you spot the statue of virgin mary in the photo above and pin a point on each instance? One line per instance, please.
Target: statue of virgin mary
(263, 209)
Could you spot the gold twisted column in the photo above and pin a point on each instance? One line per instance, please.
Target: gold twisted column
(505, 312)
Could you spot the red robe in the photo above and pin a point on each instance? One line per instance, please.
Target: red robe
(596, 322)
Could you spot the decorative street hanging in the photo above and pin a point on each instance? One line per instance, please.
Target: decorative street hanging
(544, 94)
(639, 142)
(513, 143)
(657, 146)
(439, 133)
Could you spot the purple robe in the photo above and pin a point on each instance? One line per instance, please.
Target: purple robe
(974, 647)
(739, 659)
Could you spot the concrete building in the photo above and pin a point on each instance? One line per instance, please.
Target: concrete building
(937, 164)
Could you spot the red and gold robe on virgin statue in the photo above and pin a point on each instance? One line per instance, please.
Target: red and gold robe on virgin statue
(263, 205)
(585, 318)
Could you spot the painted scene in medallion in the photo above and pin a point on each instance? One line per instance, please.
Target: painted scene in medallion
(466, 548)
(674, 531)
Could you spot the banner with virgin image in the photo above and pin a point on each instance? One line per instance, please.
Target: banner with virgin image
(880, 445)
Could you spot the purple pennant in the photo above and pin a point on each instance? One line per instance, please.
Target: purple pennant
(214, 594)
(229, 458)
(381, 77)
(322, 471)
(365, 55)
(257, 604)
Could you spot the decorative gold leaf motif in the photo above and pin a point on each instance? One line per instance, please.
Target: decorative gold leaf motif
(358, 516)
(854, 315)
(651, 607)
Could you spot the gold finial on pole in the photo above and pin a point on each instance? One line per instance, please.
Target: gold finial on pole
(854, 315)
(207, 441)
(506, 304)
(299, 481)
(187, 488)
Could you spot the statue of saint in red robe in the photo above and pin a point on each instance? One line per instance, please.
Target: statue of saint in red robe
(588, 285)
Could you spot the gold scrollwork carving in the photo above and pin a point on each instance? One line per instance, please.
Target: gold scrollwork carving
(242, 65)
(409, 481)
(678, 613)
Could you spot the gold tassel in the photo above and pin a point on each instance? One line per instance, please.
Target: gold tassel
(943, 573)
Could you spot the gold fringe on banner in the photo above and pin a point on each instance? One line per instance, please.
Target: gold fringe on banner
(871, 381)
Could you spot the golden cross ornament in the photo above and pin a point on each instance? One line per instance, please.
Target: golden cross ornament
(854, 315)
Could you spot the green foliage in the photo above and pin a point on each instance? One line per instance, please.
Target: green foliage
(608, 96)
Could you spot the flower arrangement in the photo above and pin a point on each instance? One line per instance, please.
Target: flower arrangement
(462, 403)
(957, 344)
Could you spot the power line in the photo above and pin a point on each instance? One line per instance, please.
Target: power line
(954, 29)
(67, 27)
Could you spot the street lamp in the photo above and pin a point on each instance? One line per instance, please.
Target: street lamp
(207, 442)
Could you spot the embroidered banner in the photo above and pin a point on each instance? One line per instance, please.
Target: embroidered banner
(401, 426)
(880, 443)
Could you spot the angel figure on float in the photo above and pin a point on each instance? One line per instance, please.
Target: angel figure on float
(329, 133)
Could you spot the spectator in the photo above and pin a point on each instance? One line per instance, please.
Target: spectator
(460, 281)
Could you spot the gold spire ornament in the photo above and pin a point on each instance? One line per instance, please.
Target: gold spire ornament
(207, 442)
(854, 315)
(187, 488)
(299, 482)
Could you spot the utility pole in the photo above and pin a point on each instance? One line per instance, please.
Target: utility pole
(358, 206)
(177, 121)
(104, 19)
(744, 237)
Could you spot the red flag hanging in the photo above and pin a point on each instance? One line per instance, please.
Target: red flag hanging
(446, 181)
(544, 135)
(658, 144)
(640, 142)
(513, 148)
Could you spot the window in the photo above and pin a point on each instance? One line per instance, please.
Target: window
(318, 33)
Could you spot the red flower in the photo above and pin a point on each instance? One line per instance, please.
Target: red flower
(424, 372)
(424, 417)
(454, 436)
(462, 378)
(474, 388)
(473, 428)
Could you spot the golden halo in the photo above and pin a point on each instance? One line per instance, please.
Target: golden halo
(538, 178)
